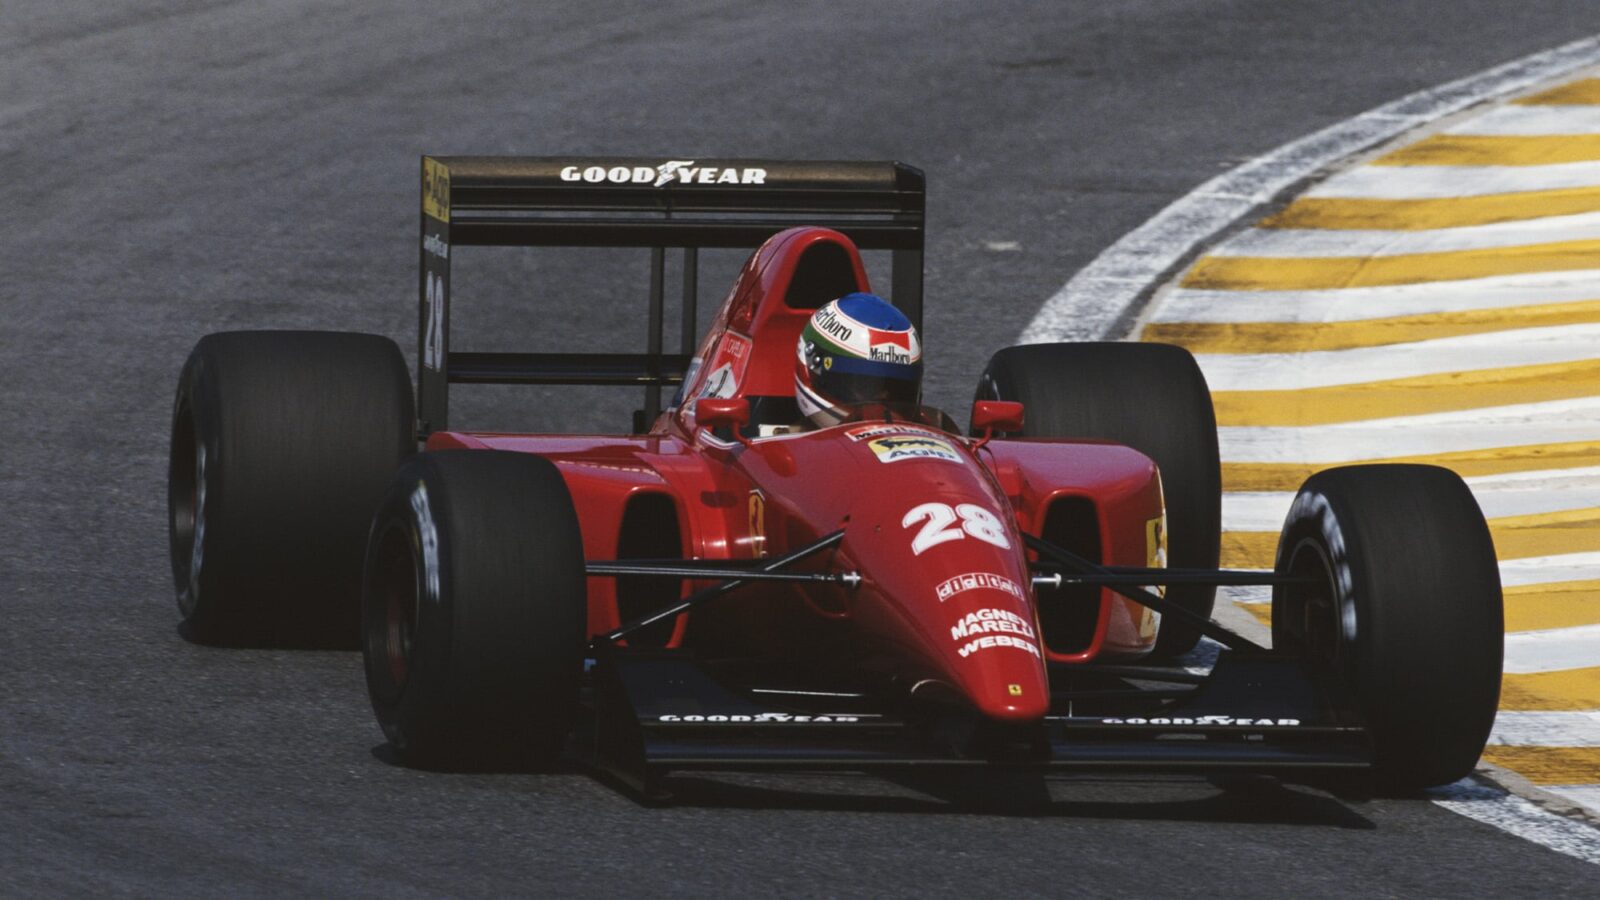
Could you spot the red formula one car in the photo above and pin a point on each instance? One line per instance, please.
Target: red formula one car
(725, 588)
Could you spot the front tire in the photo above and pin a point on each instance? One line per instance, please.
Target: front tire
(1404, 610)
(282, 443)
(1153, 398)
(474, 611)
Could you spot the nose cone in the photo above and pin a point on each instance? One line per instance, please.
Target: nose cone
(945, 579)
(994, 655)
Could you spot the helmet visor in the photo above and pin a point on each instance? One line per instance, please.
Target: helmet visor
(852, 387)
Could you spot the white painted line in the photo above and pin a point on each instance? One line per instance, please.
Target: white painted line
(1531, 121)
(1547, 729)
(1302, 243)
(1266, 510)
(1353, 304)
(1550, 422)
(1552, 650)
(1100, 298)
(1324, 368)
(1418, 182)
(1507, 812)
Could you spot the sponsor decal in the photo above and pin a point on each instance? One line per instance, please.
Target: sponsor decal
(912, 446)
(429, 535)
(989, 642)
(891, 346)
(757, 509)
(977, 580)
(990, 628)
(990, 620)
(827, 321)
(940, 519)
(768, 717)
(868, 432)
(1014, 690)
(1155, 557)
(435, 245)
(673, 171)
(728, 366)
(435, 189)
(1204, 720)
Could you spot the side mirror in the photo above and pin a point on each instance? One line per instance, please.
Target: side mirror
(989, 416)
(722, 412)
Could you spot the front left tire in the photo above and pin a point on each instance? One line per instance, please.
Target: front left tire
(474, 611)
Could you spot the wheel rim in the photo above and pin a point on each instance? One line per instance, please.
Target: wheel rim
(184, 499)
(399, 605)
(1310, 612)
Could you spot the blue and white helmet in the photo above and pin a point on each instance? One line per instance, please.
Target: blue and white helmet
(856, 350)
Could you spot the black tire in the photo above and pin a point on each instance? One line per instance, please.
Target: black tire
(1153, 398)
(282, 444)
(475, 611)
(1405, 612)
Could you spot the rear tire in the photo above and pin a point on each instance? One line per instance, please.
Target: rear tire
(475, 611)
(282, 443)
(1405, 612)
(1153, 398)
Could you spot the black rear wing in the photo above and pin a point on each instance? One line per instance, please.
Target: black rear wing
(493, 201)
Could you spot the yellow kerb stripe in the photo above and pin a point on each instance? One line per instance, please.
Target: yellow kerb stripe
(1431, 212)
(1270, 273)
(1548, 765)
(1410, 396)
(1568, 689)
(1241, 476)
(1584, 92)
(1529, 607)
(1515, 537)
(1566, 604)
(1495, 150)
(1291, 337)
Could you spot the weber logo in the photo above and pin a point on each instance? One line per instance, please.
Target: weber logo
(673, 171)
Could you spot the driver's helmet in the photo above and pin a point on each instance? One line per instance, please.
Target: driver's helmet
(857, 351)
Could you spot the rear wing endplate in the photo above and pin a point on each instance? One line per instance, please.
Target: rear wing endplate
(653, 202)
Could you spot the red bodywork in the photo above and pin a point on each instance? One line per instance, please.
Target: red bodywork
(953, 616)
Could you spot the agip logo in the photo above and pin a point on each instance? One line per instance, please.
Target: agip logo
(911, 446)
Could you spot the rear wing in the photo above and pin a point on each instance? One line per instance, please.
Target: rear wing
(492, 201)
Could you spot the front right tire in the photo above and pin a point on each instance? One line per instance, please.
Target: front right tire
(1402, 607)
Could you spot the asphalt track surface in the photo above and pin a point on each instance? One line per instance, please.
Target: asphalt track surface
(190, 167)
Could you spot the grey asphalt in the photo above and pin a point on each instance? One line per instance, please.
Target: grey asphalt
(183, 167)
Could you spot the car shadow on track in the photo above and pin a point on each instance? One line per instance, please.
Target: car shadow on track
(1246, 800)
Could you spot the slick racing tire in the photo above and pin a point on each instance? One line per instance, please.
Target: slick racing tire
(474, 611)
(1403, 609)
(282, 444)
(1153, 398)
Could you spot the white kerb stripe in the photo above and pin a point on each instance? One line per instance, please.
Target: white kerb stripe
(1291, 242)
(1549, 422)
(1550, 569)
(1415, 182)
(1323, 368)
(1265, 510)
(1547, 729)
(1531, 121)
(1552, 650)
(1355, 303)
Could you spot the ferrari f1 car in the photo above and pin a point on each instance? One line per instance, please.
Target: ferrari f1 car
(716, 588)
